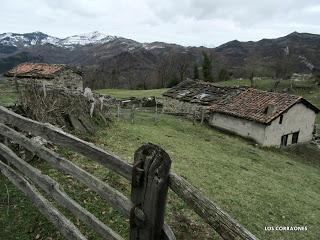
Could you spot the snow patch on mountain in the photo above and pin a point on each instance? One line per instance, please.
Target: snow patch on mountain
(38, 38)
(151, 46)
(87, 38)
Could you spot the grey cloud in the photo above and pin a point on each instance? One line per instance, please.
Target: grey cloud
(188, 22)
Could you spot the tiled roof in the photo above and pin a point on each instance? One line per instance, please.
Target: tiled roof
(36, 70)
(203, 93)
(247, 103)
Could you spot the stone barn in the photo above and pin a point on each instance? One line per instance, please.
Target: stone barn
(269, 118)
(51, 75)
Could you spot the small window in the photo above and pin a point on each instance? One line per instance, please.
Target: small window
(280, 119)
(284, 140)
(295, 137)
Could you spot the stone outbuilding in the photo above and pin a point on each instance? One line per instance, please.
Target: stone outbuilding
(269, 118)
(50, 75)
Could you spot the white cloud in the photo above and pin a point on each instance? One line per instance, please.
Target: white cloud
(188, 22)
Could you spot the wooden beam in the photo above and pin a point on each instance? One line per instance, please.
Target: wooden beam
(57, 136)
(52, 188)
(115, 198)
(67, 228)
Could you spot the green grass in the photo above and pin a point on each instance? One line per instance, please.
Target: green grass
(264, 84)
(257, 186)
(7, 95)
(125, 93)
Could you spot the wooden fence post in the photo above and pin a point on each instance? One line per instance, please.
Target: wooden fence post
(156, 111)
(132, 114)
(194, 117)
(118, 110)
(202, 115)
(150, 181)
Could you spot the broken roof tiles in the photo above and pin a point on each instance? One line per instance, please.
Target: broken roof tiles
(36, 70)
(242, 102)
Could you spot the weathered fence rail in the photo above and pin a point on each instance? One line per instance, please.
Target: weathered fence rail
(220, 221)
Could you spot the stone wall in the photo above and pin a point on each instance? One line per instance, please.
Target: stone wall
(298, 118)
(69, 79)
(239, 126)
(171, 105)
(66, 79)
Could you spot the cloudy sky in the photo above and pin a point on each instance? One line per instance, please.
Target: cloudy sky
(187, 22)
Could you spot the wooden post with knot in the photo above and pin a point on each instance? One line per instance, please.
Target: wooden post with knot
(150, 181)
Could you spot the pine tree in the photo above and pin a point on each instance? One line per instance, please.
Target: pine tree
(207, 67)
(196, 72)
(224, 75)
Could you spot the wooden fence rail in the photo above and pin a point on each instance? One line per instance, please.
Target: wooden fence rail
(45, 207)
(223, 224)
(52, 188)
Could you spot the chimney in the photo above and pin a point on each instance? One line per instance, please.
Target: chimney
(270, 109)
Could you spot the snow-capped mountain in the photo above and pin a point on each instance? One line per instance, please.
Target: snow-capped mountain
(27, 39)
(39, 38)
(87, 38)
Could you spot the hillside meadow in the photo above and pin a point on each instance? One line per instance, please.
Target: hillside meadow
(259, 187)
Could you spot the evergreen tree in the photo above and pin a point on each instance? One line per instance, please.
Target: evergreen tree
(207, 67)
(251, 77)
(224, 75)
(196, 72)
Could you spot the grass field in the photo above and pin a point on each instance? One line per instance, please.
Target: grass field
(124, 93)
(258, 186)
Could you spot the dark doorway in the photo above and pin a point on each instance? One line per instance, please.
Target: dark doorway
(284, 140)
(295, 137)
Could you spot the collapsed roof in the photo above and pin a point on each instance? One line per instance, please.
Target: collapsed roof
(243, 102)
(36, 70)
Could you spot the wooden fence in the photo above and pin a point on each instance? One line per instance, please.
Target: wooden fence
(150, 179)
(131, 113)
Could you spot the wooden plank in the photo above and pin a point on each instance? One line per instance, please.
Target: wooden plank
(52, 188)
(57, 136)
(115, 198)
(222, 222)
(149, 192)
(67, 228)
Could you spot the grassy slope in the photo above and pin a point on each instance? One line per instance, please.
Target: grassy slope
(124, 93)
(259, 187)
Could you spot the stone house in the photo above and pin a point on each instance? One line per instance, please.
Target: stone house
(269, 118)
(50, 75)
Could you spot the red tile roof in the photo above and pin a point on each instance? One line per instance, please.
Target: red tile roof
(253, 104)
(36, 70)
(247, 103)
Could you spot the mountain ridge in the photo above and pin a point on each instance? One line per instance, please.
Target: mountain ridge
(114, 61)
